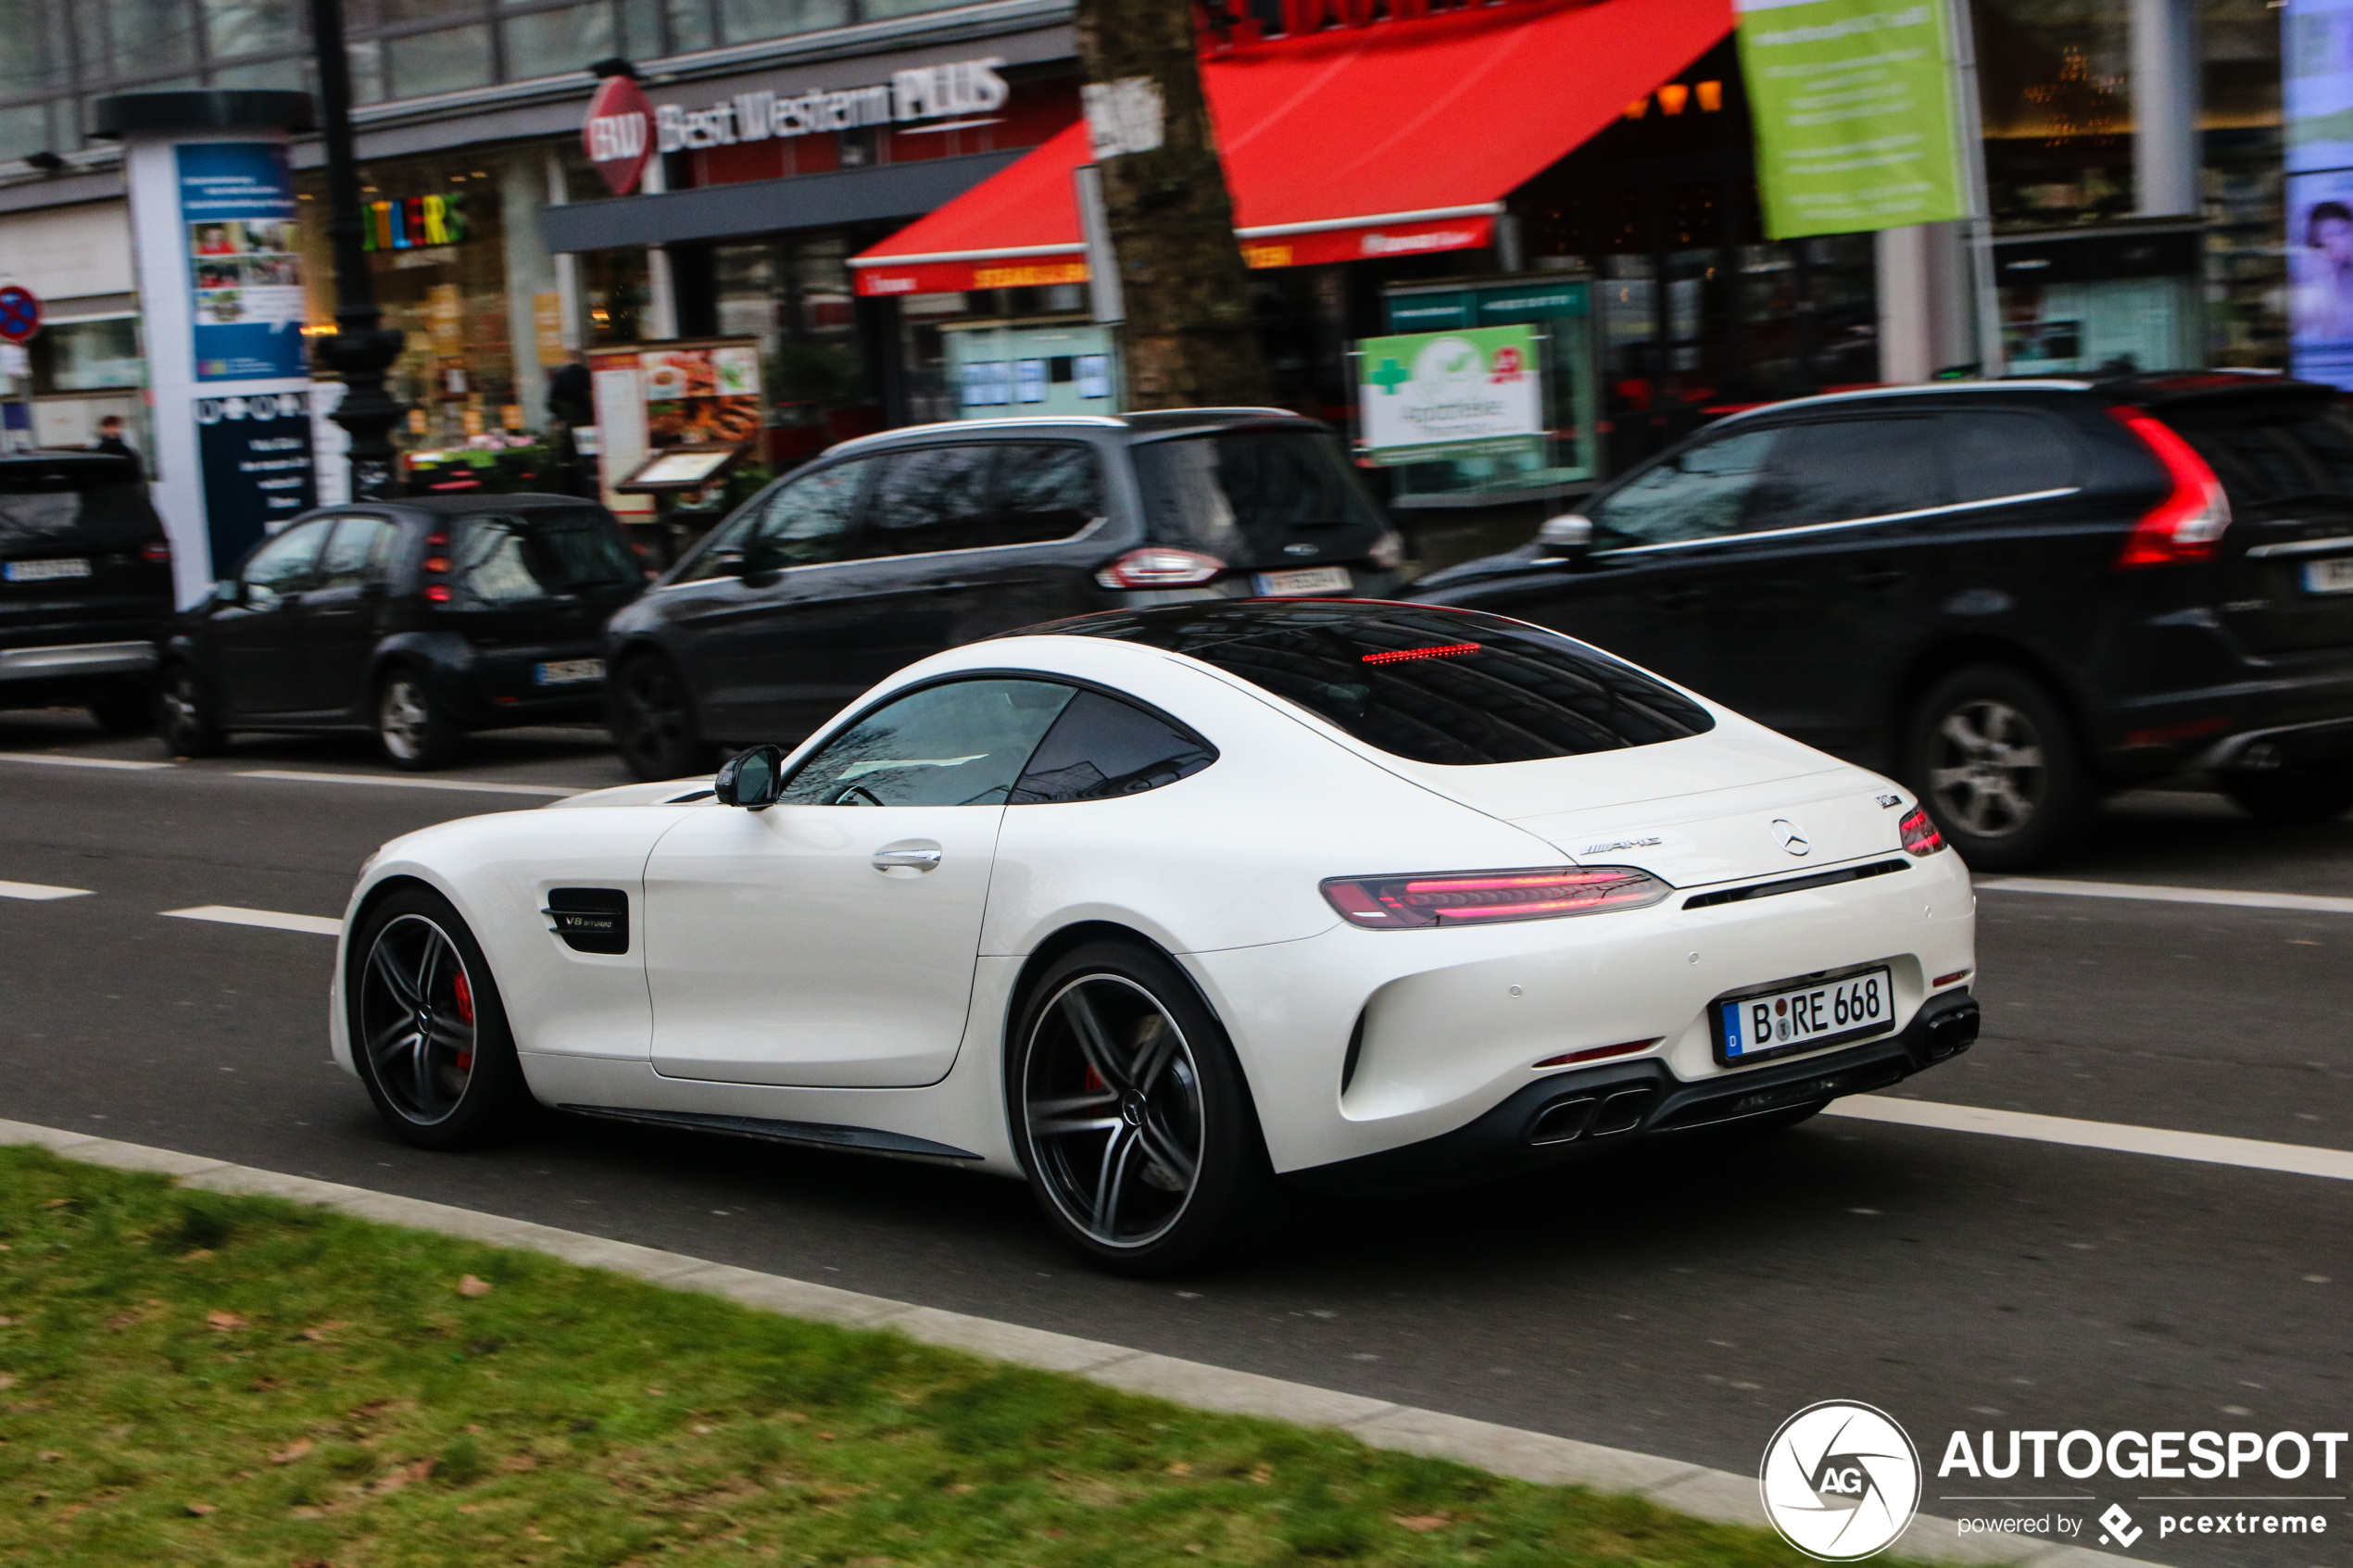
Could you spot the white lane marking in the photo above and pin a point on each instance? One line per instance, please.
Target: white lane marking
(2313, 902)
(395, 781)
(317, 925)
(54, 761)
(2254, 1154)
(38, 890)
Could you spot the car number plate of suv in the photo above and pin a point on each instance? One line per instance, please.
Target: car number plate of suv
(43, 570)
(1306, 580)
(1801, 1018)
(568, 671)
(2333, 576)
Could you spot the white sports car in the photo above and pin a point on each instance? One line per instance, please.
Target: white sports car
(1157, 909)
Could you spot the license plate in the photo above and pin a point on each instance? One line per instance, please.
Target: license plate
(1805, 1018)
(43, 570)
(2332, 576)
(1306, 580)
(568, 671)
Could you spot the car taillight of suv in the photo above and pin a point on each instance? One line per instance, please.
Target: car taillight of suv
(2187, 526)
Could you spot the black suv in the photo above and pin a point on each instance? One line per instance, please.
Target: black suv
(419, 619)
(85, 585)
(2013, 595)
(893, 546)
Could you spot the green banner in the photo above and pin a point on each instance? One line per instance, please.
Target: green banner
(1857, 126)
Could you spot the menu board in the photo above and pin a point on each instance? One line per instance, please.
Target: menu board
(651, 396)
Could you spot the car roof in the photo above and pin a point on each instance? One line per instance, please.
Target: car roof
(1144, 424)
(466, 505)
(52, 456)
(2143, 388)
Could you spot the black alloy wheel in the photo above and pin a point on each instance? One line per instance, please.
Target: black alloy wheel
(1996, 762)
(1131, 1116)
(2292, 795)
(414, 731)
(185, 714)
(428, 1032)
(652, 726)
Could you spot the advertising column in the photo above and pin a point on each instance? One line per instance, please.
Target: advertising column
(212, 213)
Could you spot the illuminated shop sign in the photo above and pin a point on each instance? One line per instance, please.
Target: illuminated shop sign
(961, 88)
(411, 221)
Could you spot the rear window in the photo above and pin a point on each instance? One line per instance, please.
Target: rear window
(2277, 453)
(1428, 684)
(1241, 495)
(74, 503)
(504, 560)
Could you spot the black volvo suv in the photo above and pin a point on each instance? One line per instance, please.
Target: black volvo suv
(85, 585)
(893, 546)
(2014, 596)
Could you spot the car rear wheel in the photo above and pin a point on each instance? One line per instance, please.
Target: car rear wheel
(1997, 764)
(414, 731)
(1131, 1116)
(653, 727)
(185, 714)
(2292, 795)
(428, 1031)
(126, 710)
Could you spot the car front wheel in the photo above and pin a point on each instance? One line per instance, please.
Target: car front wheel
(1131, 1116)
(429, 1033)
(1997, 764)
(652, 725)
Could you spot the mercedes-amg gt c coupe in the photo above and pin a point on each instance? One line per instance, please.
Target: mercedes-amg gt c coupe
(1165, 910)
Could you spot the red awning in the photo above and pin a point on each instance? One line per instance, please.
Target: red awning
(1401, 136)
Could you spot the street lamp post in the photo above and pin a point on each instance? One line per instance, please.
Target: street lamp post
(362, 348)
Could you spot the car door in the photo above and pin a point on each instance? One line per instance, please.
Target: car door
(257, 638)
(1824, 583)
(1649, 589)
(340, 610)
(744, 605)
(830, 940)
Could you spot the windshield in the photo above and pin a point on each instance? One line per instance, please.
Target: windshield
(75, 502)
(1424, 683)
(510, 560)
(1241, 495)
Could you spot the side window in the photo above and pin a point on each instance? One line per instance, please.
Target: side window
(1836, 469)
(931, 499)
(1101, 747)
(1994, 453)
(359, 552)
(807, 522)
(964, 743)
(1046, 490)
(1701, 493)
(283, 565)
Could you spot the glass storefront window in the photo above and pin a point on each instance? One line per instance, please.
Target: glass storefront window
(795, 295)
(2246, 275)
(547, 43)
(742, 21)
(615, 292)
(445, 61)
(32, 48)
(249, 27)
(142, 36)
(88, 355)
(2055, 80)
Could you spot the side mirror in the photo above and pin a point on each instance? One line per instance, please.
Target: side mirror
(751, 779)
(1568, 535)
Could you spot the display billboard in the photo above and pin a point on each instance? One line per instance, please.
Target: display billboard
(2317, 80)
(1473, 391)
(244, 269)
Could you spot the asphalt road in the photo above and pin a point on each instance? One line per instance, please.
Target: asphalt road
(1683, 1307)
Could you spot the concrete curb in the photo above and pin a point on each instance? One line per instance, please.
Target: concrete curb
(1717, 1496)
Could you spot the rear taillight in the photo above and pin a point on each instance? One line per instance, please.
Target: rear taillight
(2187, 524)
(1160, 566)
(437, 593)
(159, 552)
(1920, 836)
(1399, 903)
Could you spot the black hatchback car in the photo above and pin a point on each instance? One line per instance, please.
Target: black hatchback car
(2014, 596)
(893, 546)
(85, 585)
(418, 619)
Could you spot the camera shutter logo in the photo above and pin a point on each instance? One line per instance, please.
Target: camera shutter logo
(1841, 1481)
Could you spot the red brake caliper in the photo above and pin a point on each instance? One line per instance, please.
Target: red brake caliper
(466, 1012)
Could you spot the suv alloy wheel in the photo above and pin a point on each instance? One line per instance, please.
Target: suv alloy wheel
(1996, 762)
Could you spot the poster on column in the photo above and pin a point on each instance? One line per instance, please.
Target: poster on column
(2317, 44)
(1858, 123)
(237, 217)
(259, 472)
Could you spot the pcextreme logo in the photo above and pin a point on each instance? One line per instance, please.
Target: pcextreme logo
(1841, 1481)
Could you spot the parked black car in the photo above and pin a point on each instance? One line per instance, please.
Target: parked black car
(893, 546)
(2013, 595)
(419, 619)
(85, 585)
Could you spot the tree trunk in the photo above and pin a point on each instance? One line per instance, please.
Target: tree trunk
(1189, 339)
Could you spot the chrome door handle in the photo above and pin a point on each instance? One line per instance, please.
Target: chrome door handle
(907, 858)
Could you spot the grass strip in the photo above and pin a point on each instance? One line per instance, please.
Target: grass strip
(190, 1378)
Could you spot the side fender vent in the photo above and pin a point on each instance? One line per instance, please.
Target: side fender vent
(589, 919)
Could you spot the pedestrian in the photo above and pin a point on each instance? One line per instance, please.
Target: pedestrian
(110, 441)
